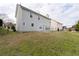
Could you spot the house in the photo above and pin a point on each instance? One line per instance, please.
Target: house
(28, 20)
(64, 28)
(55, 26)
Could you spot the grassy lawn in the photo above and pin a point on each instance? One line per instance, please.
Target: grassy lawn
(40, 44)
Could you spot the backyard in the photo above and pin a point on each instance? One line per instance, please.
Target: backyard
(39, 44)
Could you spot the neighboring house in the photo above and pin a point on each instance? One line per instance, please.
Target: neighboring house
(72, 28)
(28, 20)
(9, 26)
(64, 28)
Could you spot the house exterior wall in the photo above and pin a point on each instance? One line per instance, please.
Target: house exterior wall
(24, 21)
(19, 17)
(60, 26)
(55, 26)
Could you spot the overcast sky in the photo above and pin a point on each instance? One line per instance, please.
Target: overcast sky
(66, 13)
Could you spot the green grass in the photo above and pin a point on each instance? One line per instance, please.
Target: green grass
(40, 44)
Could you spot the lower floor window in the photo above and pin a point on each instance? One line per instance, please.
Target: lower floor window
(24, 23)
(32, 24)
(40, 27)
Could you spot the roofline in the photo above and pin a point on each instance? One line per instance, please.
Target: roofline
(33, 11)
(57, 22)
(16, 10)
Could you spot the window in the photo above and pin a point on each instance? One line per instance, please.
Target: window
(38, 18)
(31, 15)
(40, 27)
(32, 24)
(47, 28)
(24, 23)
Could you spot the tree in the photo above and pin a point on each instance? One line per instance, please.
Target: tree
(77, 26)
(13, 28)
(1, 22)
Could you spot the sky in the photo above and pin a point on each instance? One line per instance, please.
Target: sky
(66, 13)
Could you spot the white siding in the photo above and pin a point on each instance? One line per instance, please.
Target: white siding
(24, 21)
(55, 26)
(24, 17)
(19, 17)
(60, 26)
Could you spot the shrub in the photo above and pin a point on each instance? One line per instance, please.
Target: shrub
(13, 28)
(77, 26)
(3, 31)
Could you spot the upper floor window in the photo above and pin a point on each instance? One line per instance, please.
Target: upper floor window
(31, 15)
(38, 18)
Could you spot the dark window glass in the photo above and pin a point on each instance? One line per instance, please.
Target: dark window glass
(24, 23)
(40, 27)
(38, 18)
(31, 15)
(32, 24)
